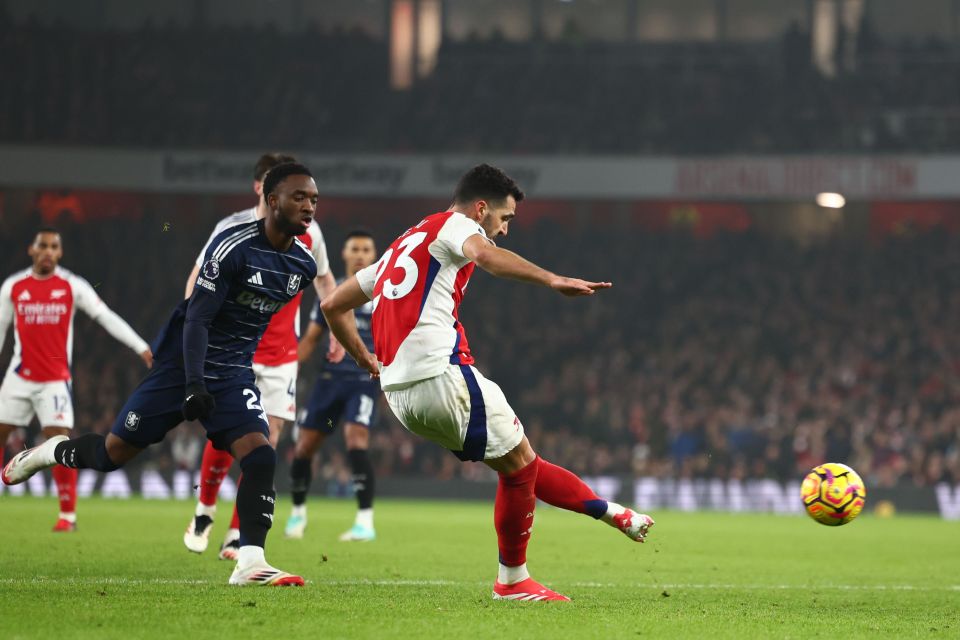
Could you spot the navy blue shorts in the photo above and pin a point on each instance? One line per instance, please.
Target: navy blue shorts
(154, 408)
(334, 399)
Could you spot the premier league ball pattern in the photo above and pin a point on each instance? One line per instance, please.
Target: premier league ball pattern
(833, 494)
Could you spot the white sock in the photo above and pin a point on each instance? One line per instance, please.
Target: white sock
(365, 518)
(299, 510)
(69, 517)
(613, 509)
(250, 555)
(204, 510)
(512, 575)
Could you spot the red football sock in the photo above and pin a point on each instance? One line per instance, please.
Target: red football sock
(513, 514)
(235, 522)
(561, 488)
(66, 480)
(213, 469)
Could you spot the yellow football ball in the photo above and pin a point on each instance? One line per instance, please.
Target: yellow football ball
(833, 494)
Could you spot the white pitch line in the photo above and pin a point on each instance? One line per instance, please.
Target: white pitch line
(436, 583)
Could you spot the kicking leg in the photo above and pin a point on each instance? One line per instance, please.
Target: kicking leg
(561, 488)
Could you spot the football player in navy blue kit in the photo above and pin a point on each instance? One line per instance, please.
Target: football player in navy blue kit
(343, 391)
(203, 366)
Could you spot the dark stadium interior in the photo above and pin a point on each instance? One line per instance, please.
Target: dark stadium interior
(571, 94)
(742, 354)
(737, 355)
(738, 342)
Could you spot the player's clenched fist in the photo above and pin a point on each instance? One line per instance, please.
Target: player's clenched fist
(199, 403)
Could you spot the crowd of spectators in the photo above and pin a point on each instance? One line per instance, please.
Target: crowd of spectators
(738, 356)
(257, 88)
(735, 357)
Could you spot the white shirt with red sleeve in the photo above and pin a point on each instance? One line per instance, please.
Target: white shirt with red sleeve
(41, 311)
(279, 343)
(416, 288)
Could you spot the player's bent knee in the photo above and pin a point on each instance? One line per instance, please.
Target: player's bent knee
(118, 452)
(243, 445)
(515, 460)
(262, 456)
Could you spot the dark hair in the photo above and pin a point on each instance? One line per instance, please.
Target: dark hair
(280, 172)
(487, 183)
(268, 161)
(46, 230)
(358, 233)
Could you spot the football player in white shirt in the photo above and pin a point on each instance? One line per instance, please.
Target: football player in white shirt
(41, 303)
(274, 365)
(425, 366)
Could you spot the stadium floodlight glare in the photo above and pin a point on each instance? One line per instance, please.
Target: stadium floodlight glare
(831, 200)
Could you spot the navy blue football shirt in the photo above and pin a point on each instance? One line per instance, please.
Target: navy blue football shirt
(243, 281)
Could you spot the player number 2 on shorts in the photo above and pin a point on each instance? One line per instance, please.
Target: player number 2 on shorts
(253, 405)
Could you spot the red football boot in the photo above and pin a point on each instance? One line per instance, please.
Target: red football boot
(528, 590)
(64, 526)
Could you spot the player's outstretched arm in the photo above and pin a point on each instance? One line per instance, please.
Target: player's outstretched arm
(338, 309)
(90, 303)
(506, 264)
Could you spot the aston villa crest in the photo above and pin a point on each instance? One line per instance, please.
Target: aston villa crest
(293, 284)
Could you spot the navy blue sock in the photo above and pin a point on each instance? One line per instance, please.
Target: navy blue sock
(363, 480)
(255, 495)
(300, 476)
(89, 451)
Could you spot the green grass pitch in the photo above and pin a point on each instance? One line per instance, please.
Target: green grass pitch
(126, 574)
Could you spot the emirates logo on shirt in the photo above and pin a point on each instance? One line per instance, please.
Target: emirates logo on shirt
(41, 312)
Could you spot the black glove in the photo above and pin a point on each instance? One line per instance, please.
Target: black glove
(199, 403)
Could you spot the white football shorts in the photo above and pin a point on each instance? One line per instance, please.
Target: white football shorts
(278, 389)
(460, 410)
(20, 400)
